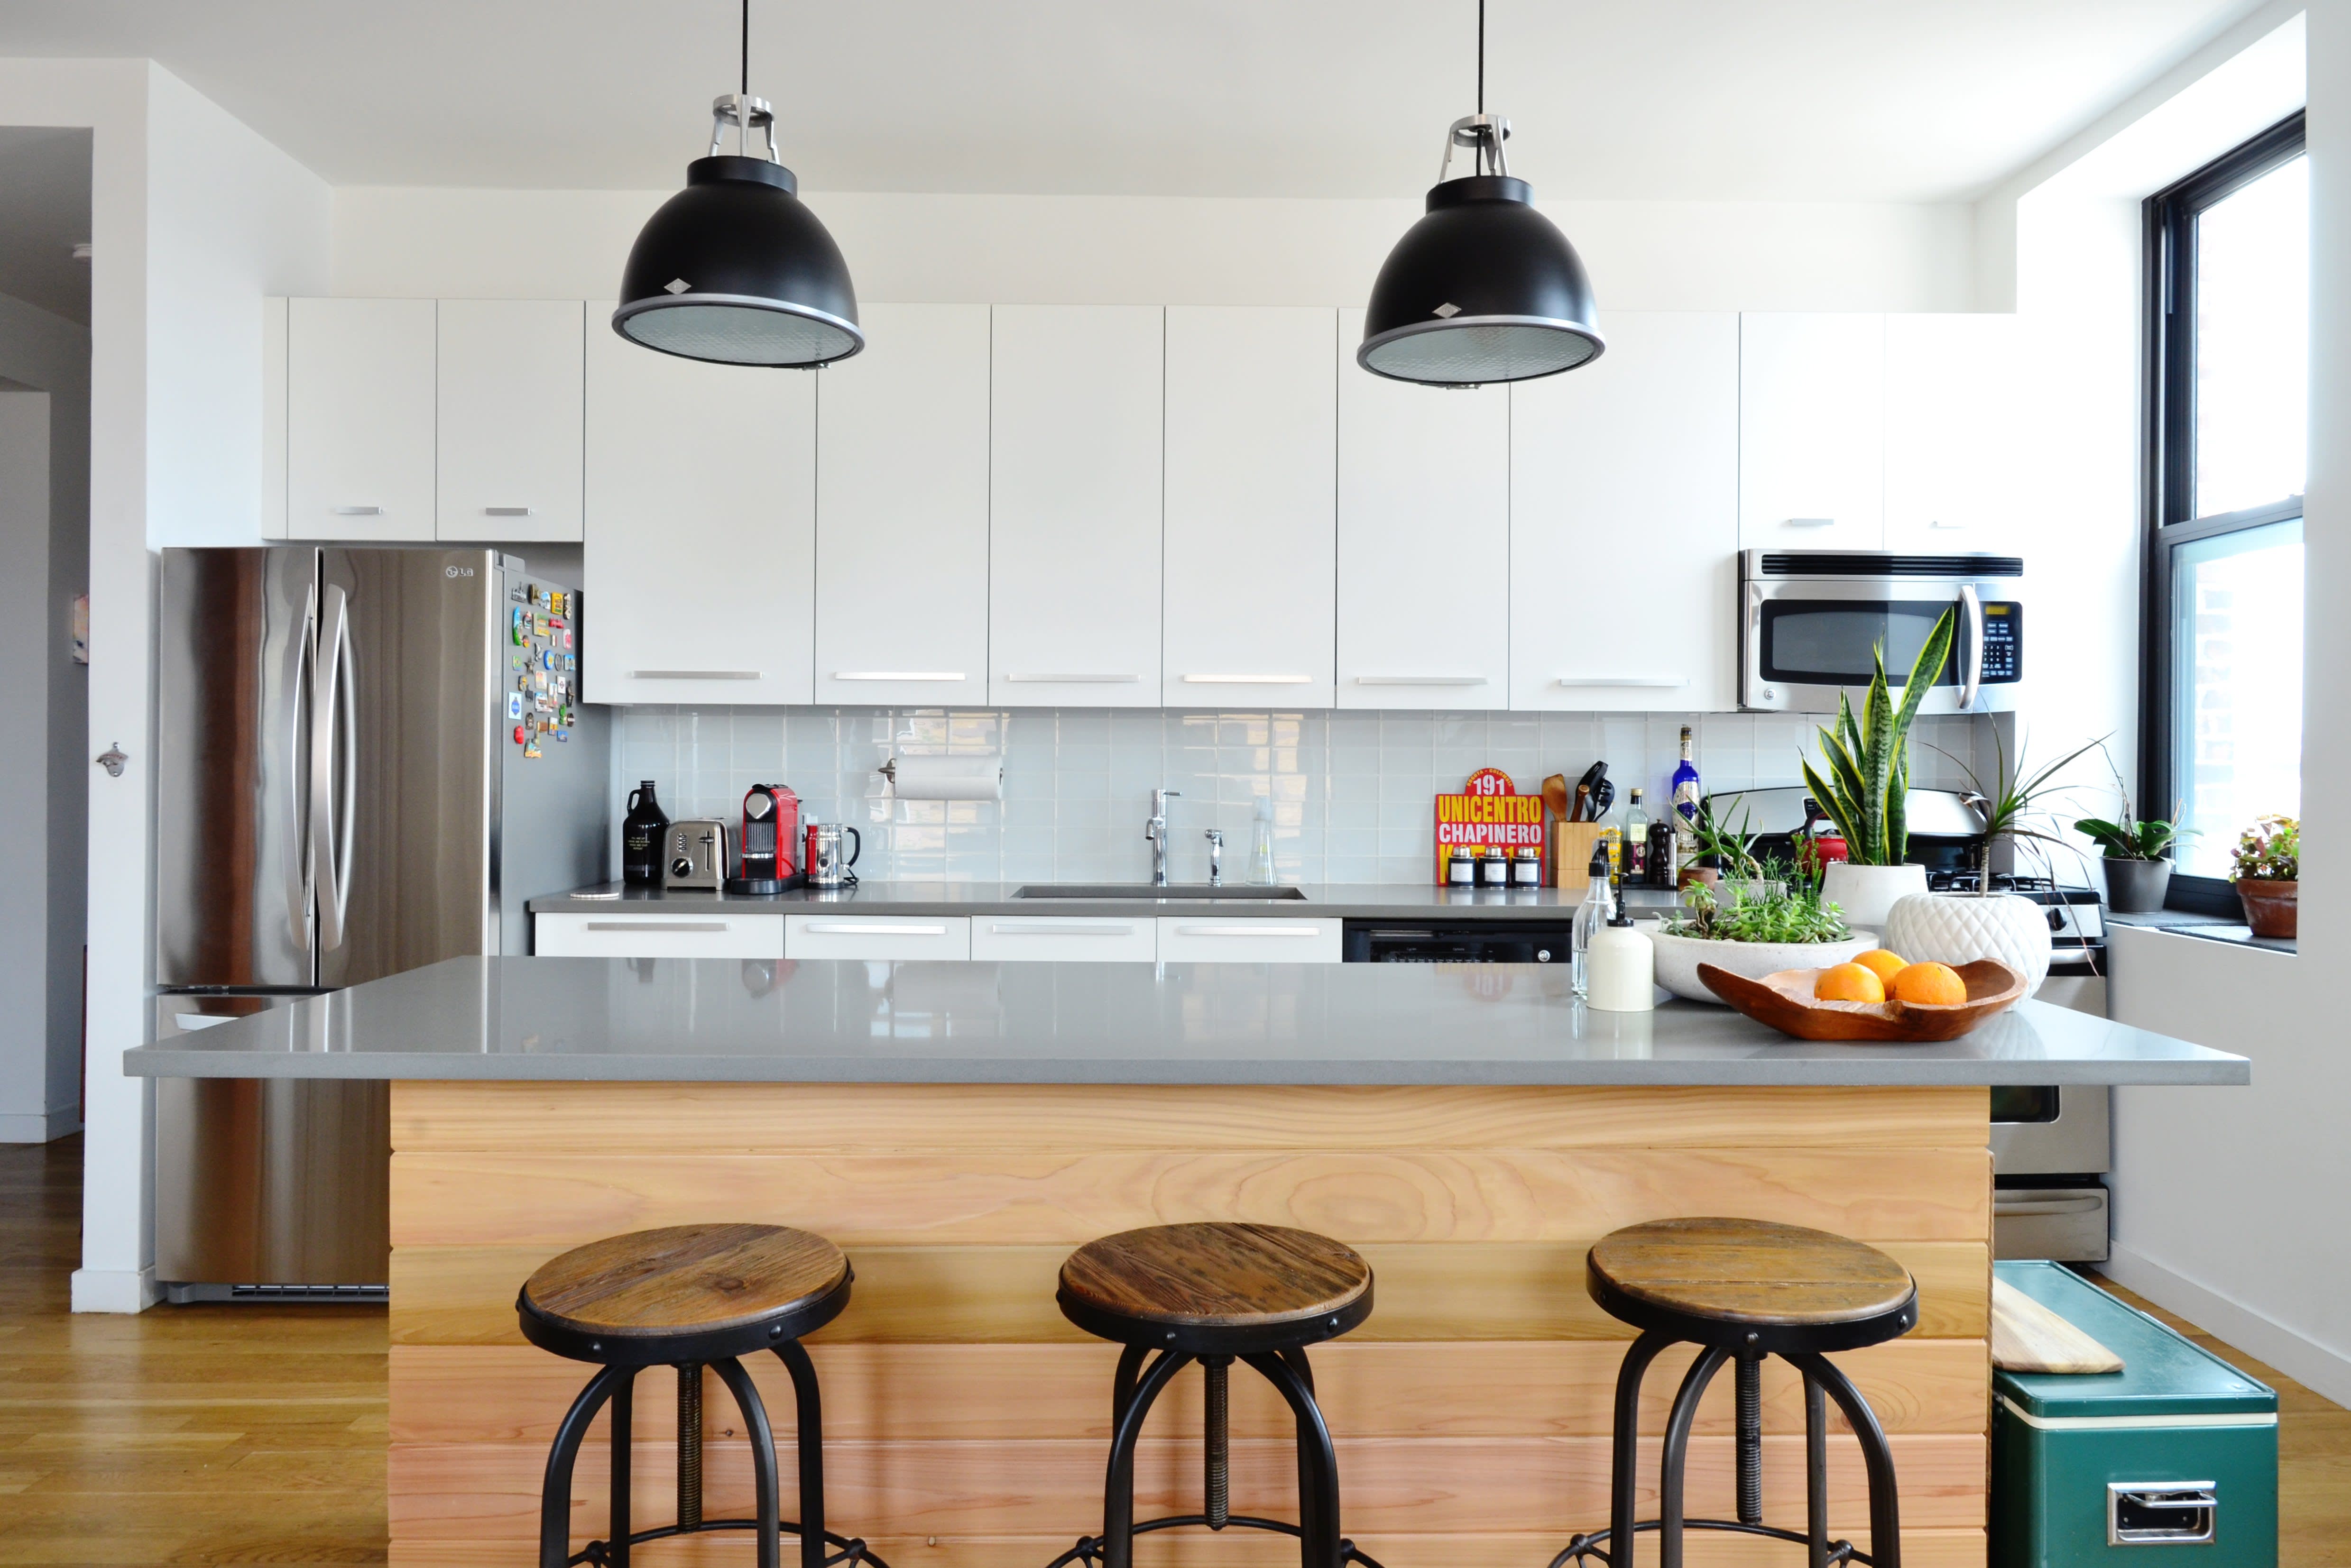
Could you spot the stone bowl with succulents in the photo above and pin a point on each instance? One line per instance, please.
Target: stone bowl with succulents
(1753, 928)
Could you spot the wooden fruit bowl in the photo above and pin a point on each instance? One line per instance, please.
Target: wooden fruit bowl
(1785, 1002)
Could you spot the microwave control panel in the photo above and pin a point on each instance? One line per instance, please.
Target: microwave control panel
(2003, 641)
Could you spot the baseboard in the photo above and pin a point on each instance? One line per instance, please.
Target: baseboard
(115, 1290)
(2322, 1370)
(27, 1128)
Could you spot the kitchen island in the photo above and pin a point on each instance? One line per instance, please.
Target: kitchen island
(958, 1127)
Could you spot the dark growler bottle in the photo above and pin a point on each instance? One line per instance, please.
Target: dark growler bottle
(640, 837)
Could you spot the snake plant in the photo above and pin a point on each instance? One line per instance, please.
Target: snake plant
(1868, 758)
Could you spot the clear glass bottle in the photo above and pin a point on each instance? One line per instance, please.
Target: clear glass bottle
(1633, 856)
(1590, 916)
(1260, 860)
(1687, 792)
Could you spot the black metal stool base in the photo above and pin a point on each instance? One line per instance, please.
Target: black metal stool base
(1584, 1548)
(600, 1553)
(1089, 1548)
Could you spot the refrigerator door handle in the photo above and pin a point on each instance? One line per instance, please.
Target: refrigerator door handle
(301, 656)
(334, 718)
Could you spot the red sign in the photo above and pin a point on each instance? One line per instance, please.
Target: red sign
(1498, 822)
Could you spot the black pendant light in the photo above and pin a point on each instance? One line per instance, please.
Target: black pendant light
(734, 268)
(1483, 288)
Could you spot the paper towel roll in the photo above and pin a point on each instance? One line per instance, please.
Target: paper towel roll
(970, 776)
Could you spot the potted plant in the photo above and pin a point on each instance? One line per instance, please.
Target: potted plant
(1960, 928)
(2269, 872)
(1760, 928)
(2137, 858)
(1867, 782)
(1720, 850)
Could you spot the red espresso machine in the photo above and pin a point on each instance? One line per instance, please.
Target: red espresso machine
(771, 832)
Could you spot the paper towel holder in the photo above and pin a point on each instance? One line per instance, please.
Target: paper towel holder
(889, 769)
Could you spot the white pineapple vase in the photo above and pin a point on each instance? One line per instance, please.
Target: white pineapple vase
(1960, 928)
(1865, 893)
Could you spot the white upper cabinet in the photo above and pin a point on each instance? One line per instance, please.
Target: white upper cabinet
(1812, 435)
(1073, 530)
(701, 527)
(1624, 522)
(510, 413)
(1950, 432)
(1423, 507)
(902, 511)
(360, 419)
(1252, 429)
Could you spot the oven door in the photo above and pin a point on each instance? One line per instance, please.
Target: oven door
(1804, 641)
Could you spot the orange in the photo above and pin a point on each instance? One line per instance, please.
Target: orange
(1848, 982)
(1930, 985)
(1882, 962)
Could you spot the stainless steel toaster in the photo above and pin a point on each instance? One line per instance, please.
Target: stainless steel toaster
(695, 855)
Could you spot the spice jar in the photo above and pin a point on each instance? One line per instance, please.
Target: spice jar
(1526, 866)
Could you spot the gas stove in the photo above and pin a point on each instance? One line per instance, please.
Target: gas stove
(2076, 918)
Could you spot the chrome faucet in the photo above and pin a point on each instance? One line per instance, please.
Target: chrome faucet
(1155, 830)
(1215, 857)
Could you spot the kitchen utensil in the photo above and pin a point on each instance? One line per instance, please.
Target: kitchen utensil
(827, 867)
(1584, 788)
(694, 855)
(1604, 795)
(1785, 1002)
(771, 835)
(1555, 798)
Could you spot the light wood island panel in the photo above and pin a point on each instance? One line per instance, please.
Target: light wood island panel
(966, 1421)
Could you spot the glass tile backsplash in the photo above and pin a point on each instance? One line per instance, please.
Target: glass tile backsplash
(1351, 791)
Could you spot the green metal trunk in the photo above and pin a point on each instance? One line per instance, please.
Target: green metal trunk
(2173, 1458)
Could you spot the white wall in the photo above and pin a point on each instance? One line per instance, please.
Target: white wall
(1642, 255)
(193, 219)
(44, 563)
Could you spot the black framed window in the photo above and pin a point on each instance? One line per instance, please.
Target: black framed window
(2228, 343)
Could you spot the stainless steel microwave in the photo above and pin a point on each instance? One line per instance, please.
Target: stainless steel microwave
(1811, 622)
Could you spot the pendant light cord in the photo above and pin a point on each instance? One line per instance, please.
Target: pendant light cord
(1482, 50)
(746, 53)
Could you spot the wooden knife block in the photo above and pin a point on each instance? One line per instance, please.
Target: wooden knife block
(1571, 844)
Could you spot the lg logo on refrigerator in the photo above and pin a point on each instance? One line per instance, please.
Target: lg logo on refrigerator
(458, 571)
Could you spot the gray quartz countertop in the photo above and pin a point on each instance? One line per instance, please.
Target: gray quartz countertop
(1350, 900)
(724, 1020)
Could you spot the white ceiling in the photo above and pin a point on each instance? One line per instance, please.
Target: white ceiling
(1708, 99)
(43, 214)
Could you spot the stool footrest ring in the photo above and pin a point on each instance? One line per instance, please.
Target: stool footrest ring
(1089, 1548)
(854, 1551)
(1587, 1547)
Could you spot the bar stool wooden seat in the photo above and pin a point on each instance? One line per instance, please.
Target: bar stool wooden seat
(689, 1296)
(1215, 1293)
(1743, 1289)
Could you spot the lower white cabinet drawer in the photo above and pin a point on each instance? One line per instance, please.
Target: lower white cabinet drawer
(877, 936)
(1191, 940)
(1063, 939)
(714, 935)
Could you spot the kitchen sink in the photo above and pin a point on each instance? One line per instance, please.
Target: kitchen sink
(1183, 890)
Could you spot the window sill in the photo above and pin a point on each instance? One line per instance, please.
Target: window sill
(2209, 928)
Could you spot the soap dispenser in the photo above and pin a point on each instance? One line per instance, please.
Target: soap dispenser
(1621, 973)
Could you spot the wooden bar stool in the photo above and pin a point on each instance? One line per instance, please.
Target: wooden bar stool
(689, 1296)
(1215, 1293)
(1746, 1289)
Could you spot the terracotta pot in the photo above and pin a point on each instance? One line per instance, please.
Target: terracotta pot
(2272, 909)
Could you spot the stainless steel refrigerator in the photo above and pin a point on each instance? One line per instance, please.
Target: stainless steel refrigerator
(367, 759)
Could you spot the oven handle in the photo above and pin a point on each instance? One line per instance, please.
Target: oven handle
(1972, 683)
(2017, 1207)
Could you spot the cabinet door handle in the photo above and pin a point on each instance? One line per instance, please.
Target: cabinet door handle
(658, 926)
(1072, 680)
(1658, 681)
(356, 511)
(1073, 930)
(862, 928)
(694, 674)
(1254, 928)
(1248, 680)
(897, 675)
(1938, 522)
(1420, 680)
(506, 511)
(1812, 522)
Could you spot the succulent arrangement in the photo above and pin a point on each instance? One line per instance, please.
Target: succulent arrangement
(2270, 851)
(1767, 911)
(1867, 757)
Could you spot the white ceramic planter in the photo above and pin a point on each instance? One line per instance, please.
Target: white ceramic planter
(1865, 893)
(1960, 928)
(1678, 958)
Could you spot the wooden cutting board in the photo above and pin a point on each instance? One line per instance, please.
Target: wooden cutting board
(2029, 1337)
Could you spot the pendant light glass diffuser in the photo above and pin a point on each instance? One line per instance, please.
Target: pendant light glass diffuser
(735, 268)
(1483, 288)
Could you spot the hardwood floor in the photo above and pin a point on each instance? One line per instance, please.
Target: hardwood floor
(256, 1434)
(185, 1435)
